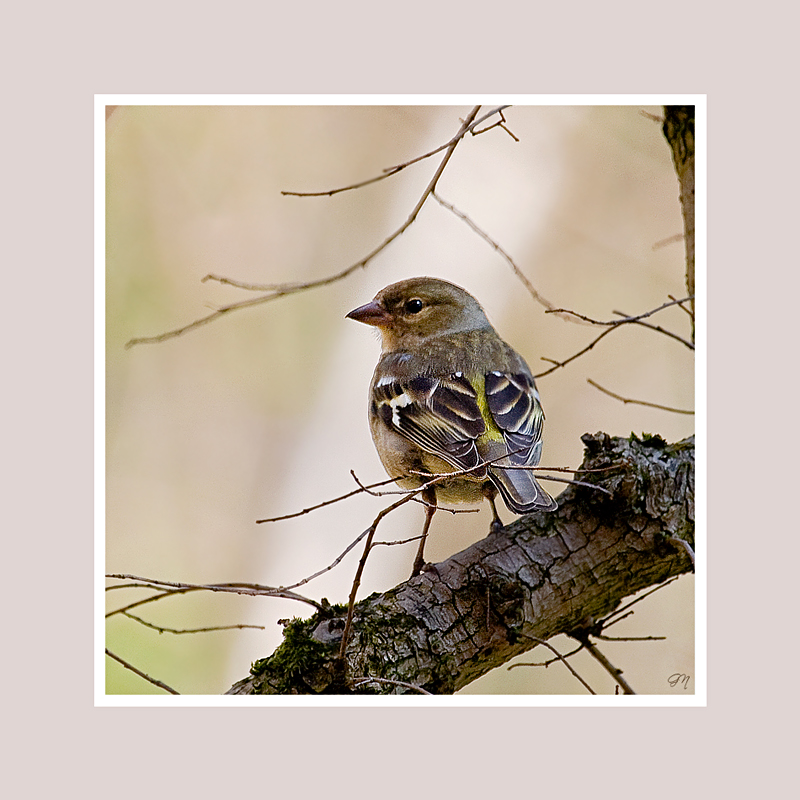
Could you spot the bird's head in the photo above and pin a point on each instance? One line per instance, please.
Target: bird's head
(416, 309)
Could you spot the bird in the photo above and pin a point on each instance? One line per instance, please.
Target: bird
(449, 395)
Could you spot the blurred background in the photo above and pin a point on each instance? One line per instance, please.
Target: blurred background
(263, 412)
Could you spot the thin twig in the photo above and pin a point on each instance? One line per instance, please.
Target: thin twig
(559, 364)
(682, 306)
(140, 673)
(363, 679)
(615, 672)
(570, 481)
(336, 561)
(677, 237)
(399, 541)
(419, 500)
(614, 617)
(659, 329)
(603, 624)
(488, 239)
(637, 402)
(152, 599)
(574, 469)
(408, 495)
(389, 171)
(281, 290)
(583, 641)
(548, 661)
(252, 589)
(362, 488)
(434, 479)
(498, 124)
(559, 657)
(160, 629)
(370, 491)
(611, 326)
(614, 322)
(162, 337)
(370, 533)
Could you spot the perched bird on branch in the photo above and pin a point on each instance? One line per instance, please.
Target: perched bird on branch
(449, 395)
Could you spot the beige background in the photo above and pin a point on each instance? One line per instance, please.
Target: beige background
(264, 412)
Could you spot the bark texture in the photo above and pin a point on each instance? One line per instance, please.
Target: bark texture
(545, 574)
(679, 132)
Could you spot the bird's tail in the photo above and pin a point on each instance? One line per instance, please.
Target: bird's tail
(520, 490)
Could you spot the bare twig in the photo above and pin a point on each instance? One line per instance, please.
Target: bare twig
(558, 657)
(613, 671)
(582, 637)
(330, 566)
(370, 491)
(434, 479)
(389, 171)
(548, 661)
(572, 469)
(637, 402)
(498, 124)
(419, 500)
(615, 322)
(570, 481)
(370, 533)
(273, 291)
(614, 617)
(363, 679)
(659, 329)
(171, 587)
(152, 599)
(681, 305)
(610, 326)
(161, 629)
(488, 239)
(162, 337)
(398, 541)
(140, 673)
(559, 364)
(361, 489)
(678, 237)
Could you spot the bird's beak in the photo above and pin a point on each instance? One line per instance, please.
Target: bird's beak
(373, 313)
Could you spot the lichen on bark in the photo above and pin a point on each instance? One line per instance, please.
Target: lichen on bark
(545, 574)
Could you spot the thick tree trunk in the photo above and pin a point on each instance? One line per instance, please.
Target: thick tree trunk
(545, 574)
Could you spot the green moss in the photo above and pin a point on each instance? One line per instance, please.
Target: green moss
(651, 439)
(294, 667)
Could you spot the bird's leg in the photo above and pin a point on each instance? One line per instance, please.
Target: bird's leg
(490, 493)
(429, 498)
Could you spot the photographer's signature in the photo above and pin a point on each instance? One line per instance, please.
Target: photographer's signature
(678, 678)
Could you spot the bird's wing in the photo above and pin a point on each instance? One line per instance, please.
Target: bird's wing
(443, 417)
(515, 407)
(440, 415)
(514, 404)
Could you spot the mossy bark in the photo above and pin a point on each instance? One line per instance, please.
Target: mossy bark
(545, 574)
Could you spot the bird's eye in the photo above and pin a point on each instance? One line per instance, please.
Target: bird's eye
(414, 306)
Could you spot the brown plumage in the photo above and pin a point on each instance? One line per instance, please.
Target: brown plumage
(449, 394)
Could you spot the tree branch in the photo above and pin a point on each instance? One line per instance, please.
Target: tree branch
(542, 575)
(679, 131)
(274, 291)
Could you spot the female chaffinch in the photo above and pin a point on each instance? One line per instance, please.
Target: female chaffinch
(449, 394)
